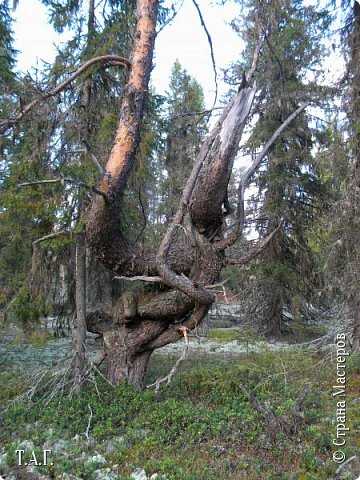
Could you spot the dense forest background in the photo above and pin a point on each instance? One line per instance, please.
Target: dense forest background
(305, 180)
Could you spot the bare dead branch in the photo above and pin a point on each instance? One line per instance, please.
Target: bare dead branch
(167, 379)
(93, 157)
(50, 236)
(64, 180)
(216, 285)
(259, 158)
(246, 177)
(211, 48)
(193, 114)
(39, 182)
(87, 431)
(141, 278)
(255, 251)
(106, 60)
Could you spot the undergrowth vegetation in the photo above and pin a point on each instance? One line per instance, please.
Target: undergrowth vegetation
(201, 427)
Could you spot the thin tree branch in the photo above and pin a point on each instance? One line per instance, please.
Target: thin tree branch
(167, 379)
(87, 432)
(141, 278)
(259, 158)
(255, 251)
(50, 237)
(96, 162)
(171, 18)
(144, 217)
(191, 114)
(40, 182)
(106, 60)
(64, 180)
(211, 48)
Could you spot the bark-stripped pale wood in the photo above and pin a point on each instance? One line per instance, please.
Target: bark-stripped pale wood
(247, 175)
(211, 186)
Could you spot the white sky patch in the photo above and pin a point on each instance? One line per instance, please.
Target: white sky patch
(185, 40)
(35, 39)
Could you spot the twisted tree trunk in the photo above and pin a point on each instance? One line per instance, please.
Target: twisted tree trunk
(192, 252)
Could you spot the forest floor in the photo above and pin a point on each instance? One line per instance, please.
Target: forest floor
(203, 426)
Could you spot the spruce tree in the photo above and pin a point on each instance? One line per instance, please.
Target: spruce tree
(289, 187)
(186, 126)
(343, 251)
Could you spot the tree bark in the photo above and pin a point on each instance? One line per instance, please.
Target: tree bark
(79, 327)
(103, 232)
(125, 361)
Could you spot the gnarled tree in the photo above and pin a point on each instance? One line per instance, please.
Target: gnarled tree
(192, 252)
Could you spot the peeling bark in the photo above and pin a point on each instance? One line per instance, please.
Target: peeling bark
(103, 224)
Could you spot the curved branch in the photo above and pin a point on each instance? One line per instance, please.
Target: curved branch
(255, 251)
(50, 236)
(246, 176)
(107, 60)
(172, 333)
(211, 47)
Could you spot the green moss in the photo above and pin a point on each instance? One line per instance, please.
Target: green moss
(224, 334)
(246, 335)
(39, 338)
(202, 426)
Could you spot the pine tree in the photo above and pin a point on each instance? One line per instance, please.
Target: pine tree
(72, 134)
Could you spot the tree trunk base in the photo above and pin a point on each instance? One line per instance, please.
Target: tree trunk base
(124, 364)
